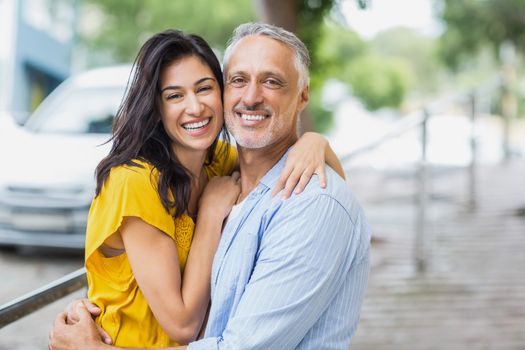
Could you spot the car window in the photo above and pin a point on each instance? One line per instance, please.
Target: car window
(80, 110)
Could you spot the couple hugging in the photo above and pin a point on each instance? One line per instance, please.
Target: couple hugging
(283, 255)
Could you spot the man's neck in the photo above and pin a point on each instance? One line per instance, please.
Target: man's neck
(255, 163)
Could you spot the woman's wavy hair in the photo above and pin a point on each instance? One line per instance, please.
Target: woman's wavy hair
(138, 132)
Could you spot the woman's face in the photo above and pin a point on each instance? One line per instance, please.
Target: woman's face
(191, 107)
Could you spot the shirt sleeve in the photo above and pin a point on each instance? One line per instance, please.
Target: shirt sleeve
(224, 160)
(306, 251)
(128, 191)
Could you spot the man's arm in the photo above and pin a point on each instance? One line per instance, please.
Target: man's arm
(304, 256)
(81, 335)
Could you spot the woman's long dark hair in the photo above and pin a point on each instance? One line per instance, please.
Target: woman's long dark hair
(138, 132)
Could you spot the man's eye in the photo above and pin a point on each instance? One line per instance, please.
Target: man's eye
(273, 83)
(237, 81)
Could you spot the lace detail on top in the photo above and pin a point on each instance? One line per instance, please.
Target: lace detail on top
(184, 227)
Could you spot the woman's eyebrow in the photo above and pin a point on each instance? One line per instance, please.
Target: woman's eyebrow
(175, 87)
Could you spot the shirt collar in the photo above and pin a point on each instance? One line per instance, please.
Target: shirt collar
(270, 179)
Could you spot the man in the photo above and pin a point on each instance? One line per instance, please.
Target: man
(288, 274)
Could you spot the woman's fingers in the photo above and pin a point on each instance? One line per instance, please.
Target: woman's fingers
(294, 179)
(104, 335)
(303, 181)
(282, 180)
(236, 176)
(321, 172)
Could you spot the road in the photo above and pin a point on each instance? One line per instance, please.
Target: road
(22, 272)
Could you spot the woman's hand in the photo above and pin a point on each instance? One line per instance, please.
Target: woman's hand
(71, 310)
(308, 156)
(220, 195)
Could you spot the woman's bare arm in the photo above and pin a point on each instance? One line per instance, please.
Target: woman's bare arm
(179, 303)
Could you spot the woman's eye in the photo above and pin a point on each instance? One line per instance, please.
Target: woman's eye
(204, 88)
(174, 96)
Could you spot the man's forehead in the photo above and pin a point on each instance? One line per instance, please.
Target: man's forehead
(266, 50)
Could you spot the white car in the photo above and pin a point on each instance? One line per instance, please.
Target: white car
(47, 174)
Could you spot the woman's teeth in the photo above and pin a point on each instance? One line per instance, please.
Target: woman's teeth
(193, 126)
(252, 117)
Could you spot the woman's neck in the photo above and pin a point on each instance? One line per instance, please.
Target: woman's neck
(193, 160)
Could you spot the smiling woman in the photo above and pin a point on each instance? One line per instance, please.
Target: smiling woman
(144, 217)
(191, 105)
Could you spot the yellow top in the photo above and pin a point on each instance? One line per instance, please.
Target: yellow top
(132, 191)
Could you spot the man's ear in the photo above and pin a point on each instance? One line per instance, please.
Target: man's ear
(304, 97)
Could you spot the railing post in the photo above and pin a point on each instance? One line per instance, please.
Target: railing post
(508, 98)
(420, 246)
(473, 153)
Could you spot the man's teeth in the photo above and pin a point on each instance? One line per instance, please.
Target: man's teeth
(193, 126)
(252, 117)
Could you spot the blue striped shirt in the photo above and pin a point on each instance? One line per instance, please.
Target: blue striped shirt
(290, 274)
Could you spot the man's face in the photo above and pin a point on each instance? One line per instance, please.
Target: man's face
(262, 98)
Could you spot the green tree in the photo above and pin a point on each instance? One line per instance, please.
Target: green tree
(337, 48)
(125, 27)
(417, 51)
(472, 25)
(378, 82)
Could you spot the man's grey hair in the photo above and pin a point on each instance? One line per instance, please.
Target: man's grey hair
(302, 57)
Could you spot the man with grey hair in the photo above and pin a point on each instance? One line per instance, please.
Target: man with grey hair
(288, 274)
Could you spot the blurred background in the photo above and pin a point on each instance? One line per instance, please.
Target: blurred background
(423, 101)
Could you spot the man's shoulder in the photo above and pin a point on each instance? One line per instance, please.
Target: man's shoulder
(336, 188)
(337, 192)
(324, 213)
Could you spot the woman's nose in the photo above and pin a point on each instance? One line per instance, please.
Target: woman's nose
(194, 106)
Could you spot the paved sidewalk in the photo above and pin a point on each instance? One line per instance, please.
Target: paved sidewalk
(473, 294)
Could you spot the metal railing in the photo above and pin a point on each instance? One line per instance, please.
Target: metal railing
(419, 119)
(37, 299)
(68, 284)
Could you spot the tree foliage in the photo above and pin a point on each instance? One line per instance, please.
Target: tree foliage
(378, 80)
(417, 51)
(126, 26)
(474, 24)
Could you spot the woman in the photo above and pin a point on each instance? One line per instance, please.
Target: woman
(166, 164)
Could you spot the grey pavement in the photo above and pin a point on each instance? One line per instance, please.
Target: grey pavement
(472, 295)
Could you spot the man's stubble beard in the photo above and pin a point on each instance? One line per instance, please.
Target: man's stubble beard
(244, 139)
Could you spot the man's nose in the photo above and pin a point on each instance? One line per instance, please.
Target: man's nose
(252, 94)
(194, 106)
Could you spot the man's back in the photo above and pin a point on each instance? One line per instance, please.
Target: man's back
(290, 274)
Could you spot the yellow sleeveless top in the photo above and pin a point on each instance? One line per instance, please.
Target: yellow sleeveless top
(132, 191)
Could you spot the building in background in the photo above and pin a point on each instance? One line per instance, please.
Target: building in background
(36, 45)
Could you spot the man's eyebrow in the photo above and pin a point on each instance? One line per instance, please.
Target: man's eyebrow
(237, 72)
(267, 73)
(176, 87)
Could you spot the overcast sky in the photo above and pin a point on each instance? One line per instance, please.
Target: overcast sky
(384, 14)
